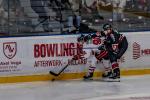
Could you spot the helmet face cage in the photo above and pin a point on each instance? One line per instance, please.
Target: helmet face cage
(88, 39)
(107, 26)
(80, 39)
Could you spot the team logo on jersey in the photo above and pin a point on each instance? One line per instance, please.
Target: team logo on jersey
(9, 49)
(136, 50)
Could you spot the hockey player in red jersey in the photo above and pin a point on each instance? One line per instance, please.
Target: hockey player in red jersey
(90, 44)
(101, 55)
(93, 41)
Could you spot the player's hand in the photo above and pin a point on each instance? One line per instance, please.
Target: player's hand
(102, 47)
(77, 57)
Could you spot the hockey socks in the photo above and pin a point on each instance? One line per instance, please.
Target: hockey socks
(116, 70)
(90, 73)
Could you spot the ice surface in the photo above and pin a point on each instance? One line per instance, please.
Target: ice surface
(130, 88)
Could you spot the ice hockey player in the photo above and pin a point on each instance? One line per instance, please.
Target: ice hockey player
(113, 47)
(100, 54)
(91, 42)
(116, 44)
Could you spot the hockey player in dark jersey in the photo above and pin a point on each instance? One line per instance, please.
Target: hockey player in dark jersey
(116, 44)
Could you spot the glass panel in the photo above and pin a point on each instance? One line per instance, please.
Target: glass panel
(43, 17)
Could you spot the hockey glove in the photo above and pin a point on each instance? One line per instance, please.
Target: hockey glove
(102, 47)
(77, 57)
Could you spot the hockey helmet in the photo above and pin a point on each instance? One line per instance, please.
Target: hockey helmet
(106, 26)
(81, 38)
(88, 38)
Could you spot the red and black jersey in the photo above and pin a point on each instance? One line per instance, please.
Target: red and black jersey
(116, 43)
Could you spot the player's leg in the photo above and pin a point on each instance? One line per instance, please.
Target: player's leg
(91, 62)
(90, 72)
(107, 68)
(115, 68)
(103, 57)
(113, 58)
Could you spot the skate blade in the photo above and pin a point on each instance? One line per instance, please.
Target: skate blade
(89, 79)
(110, 80)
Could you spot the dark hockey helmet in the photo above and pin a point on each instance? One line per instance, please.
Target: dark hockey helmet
(88, 37)
(80, 38)
(106, 26)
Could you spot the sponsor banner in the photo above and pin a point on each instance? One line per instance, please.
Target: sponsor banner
(39, 55)
(35, 55)
(138, 53)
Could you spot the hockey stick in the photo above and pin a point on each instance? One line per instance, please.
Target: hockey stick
(35, 26)
(57, 74)
(44, 20)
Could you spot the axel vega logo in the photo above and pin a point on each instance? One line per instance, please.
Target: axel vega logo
(10, 49)
(139, 52)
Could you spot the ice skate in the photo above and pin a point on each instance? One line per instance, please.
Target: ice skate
(115, 76)
(106, 74)
(89, 76)
(112, 76)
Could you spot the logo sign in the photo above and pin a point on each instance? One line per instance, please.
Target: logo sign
(136, 50)
(9, 49)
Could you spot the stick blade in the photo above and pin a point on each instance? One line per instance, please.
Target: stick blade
(52, 73)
